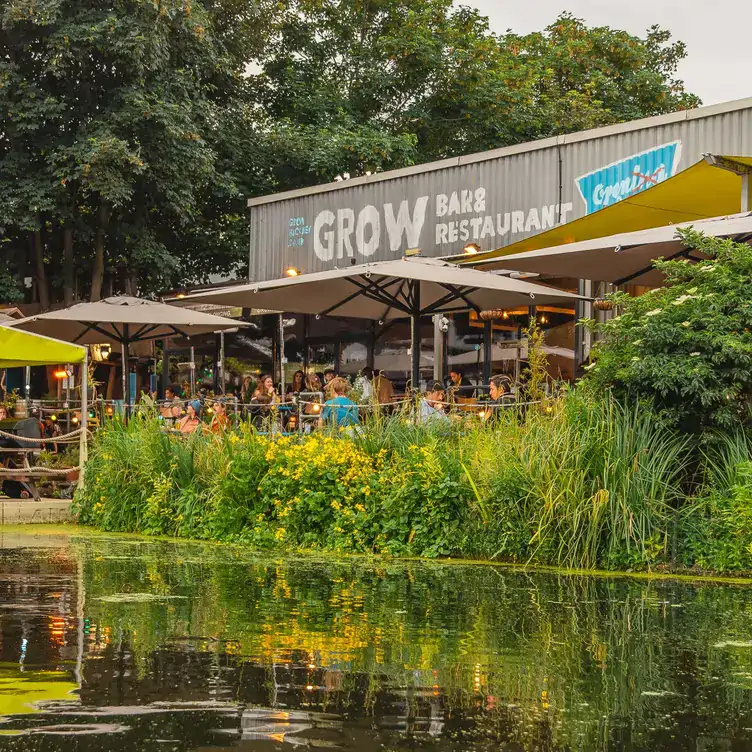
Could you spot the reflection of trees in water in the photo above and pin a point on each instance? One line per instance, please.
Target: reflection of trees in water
(423, 649)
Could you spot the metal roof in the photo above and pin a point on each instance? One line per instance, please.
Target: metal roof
(529, 146)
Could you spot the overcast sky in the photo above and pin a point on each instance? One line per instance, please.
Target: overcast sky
(719, 59)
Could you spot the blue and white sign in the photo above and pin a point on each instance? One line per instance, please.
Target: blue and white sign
(628, 177)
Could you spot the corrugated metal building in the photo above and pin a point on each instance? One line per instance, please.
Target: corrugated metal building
(490, 199)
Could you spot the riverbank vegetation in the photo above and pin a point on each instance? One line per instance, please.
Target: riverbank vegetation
(593, 484)
(646, 463)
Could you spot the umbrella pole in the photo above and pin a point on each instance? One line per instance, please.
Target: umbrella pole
(126, 372)
(487, 354)
(415, 336)
(83, 452)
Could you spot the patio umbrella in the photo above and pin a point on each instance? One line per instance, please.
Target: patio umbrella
(122, 320)
(409, 287)
(624, 258)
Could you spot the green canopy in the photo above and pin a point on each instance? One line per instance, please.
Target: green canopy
(19, 348)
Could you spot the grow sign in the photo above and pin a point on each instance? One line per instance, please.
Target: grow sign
(615, 182)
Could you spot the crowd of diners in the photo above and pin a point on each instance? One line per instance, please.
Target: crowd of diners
(324, 398)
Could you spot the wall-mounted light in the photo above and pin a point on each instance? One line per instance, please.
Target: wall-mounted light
(180, 295)
(292, 271)
(61, 374)
(471, 249)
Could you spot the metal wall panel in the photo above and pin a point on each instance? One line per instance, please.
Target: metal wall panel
(490, 199)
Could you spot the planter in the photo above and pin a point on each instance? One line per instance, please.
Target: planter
(603, 305)
(73, 475)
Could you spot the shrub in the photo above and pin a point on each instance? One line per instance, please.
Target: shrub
(716, 530)
(686, 347)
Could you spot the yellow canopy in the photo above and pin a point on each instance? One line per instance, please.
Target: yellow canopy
(18, 348)
(699, 192)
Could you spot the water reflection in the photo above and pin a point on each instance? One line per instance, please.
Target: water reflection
(120, 643)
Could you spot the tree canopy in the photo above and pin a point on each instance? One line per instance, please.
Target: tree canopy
(133, 130)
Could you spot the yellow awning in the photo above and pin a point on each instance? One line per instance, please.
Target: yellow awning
(699, 192)
(18, 348)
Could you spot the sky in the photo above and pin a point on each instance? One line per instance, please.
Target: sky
(719, 58)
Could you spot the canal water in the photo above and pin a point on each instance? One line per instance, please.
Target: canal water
(120, 643)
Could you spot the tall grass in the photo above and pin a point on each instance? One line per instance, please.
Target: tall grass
(603, 481)
(589, 484)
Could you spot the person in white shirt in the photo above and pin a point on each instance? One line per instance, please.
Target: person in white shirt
(364, 383)
(431, 409)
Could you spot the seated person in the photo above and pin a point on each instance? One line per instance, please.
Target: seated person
(192, 419)
(298, 383)
(459, 386)
(339, 410)
(500, 389)
(221, 420)
(431, 408)
(265, 389)
(172, 407)
(384, 388)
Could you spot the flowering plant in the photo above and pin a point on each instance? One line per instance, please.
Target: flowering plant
(686, 346)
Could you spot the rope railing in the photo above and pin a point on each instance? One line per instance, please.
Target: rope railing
(66, 438)
(39, 470)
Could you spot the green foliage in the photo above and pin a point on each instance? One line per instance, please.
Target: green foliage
(686, 346)
(378, 85)
(111, 144)
(590, 484)
(716, 530)
(134, 131)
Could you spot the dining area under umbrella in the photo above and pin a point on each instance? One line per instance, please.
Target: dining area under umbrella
(122, 320)
(410, 287)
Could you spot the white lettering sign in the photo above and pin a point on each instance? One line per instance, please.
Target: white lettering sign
(461, 218)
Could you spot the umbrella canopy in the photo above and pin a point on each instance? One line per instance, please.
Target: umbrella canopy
(25, 349)
(386, 290)
(624, 258)
(122, 320)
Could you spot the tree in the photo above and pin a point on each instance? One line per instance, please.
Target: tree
(432, 81)
(687, 346)
(108, 142)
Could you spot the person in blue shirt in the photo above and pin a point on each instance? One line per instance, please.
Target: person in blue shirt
(431, 409)
(339, 411)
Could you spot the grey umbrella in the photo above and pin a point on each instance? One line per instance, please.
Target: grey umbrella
(409, 287)
(624, 258)
(122, 320)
